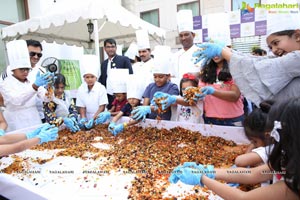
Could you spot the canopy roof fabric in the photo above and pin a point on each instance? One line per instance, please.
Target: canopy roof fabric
(68, 24)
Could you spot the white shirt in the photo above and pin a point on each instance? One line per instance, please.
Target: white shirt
(190, 114)
(20, 102)
(109, 80)
(183, 62)
(145, 70)
(92, 99)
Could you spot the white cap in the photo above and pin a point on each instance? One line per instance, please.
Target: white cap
(135, 86)
(282, 21)
(18, 54)
(90, 65)
(132, 51)
(162, 60)
(119, 77)
(142, 39)
(185, 21)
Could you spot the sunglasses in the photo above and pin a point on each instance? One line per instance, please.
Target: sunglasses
(34, 53)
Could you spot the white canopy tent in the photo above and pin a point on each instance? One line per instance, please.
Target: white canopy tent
(67, 23)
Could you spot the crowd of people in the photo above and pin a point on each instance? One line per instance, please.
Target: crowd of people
(155, 88)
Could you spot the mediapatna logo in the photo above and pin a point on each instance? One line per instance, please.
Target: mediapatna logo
(246, 8)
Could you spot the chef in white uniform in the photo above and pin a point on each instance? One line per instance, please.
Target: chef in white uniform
(145, 67)
(183, 61)
(18, 92)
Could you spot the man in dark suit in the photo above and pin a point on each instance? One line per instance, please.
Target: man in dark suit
(114, 61)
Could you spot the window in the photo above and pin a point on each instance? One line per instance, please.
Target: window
(194, 6)
(237, 4)
(151, 16)
(11, 11)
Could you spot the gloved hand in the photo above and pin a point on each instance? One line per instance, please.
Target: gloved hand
(102, 117)
(34, 133)
(43, 79)
(188, 175)
(89, 124)
(167, 102)
(207, 90)
(2, 132)
(207, 51)
(233, 184)
(48, 134)
(118, 128)
(111, 127)
(71, 123)
(208, 169)
(82, 122)
(140, 112)
(174, 178)
(197, 96)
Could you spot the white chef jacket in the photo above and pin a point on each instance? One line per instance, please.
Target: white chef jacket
(145, 70)
(20, 102)
(183, 62)
(92, 99)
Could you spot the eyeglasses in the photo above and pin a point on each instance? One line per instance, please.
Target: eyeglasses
(110, 47)
(25, 69)
(34, 53)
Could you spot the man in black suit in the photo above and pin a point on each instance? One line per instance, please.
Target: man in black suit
(107, 66)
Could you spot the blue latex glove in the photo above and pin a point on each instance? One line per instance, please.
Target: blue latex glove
(207, 51)
(197, 96)
(190, 176)
(208, 169)
(207, 90)
(174, 175)
(34, 133)
(233, 184)
(111, 127)
(102, 117)
(71, 123)
(43, 79)
(48, 134)
(82, 122)
(118, 128)
(167, 102)
(140, 112)
(2, 132)
(89, 124)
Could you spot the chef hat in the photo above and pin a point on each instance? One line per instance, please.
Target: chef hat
(135, 86)
(132, 51)
(90, 65)
(142, 39)
(119, 77)
(162, 60)
(18, 54)
(185, 21)
(277, 22)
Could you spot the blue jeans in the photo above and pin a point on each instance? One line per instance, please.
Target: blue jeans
(237, 121)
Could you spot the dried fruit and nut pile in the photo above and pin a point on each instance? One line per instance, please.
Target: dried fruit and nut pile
(150, 152)
(190, 94)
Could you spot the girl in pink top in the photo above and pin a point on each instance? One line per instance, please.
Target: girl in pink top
(223, 104)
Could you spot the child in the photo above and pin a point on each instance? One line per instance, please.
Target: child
(61, 108)
(254, 126)
(18, 92)
(161, 75)
(119, 89)
(185, 111)
(282, 167)
(262, 77)
(91, 96)
(135, 89)
(14, 143)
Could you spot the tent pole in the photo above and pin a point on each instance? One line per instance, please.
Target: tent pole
(96, 39)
